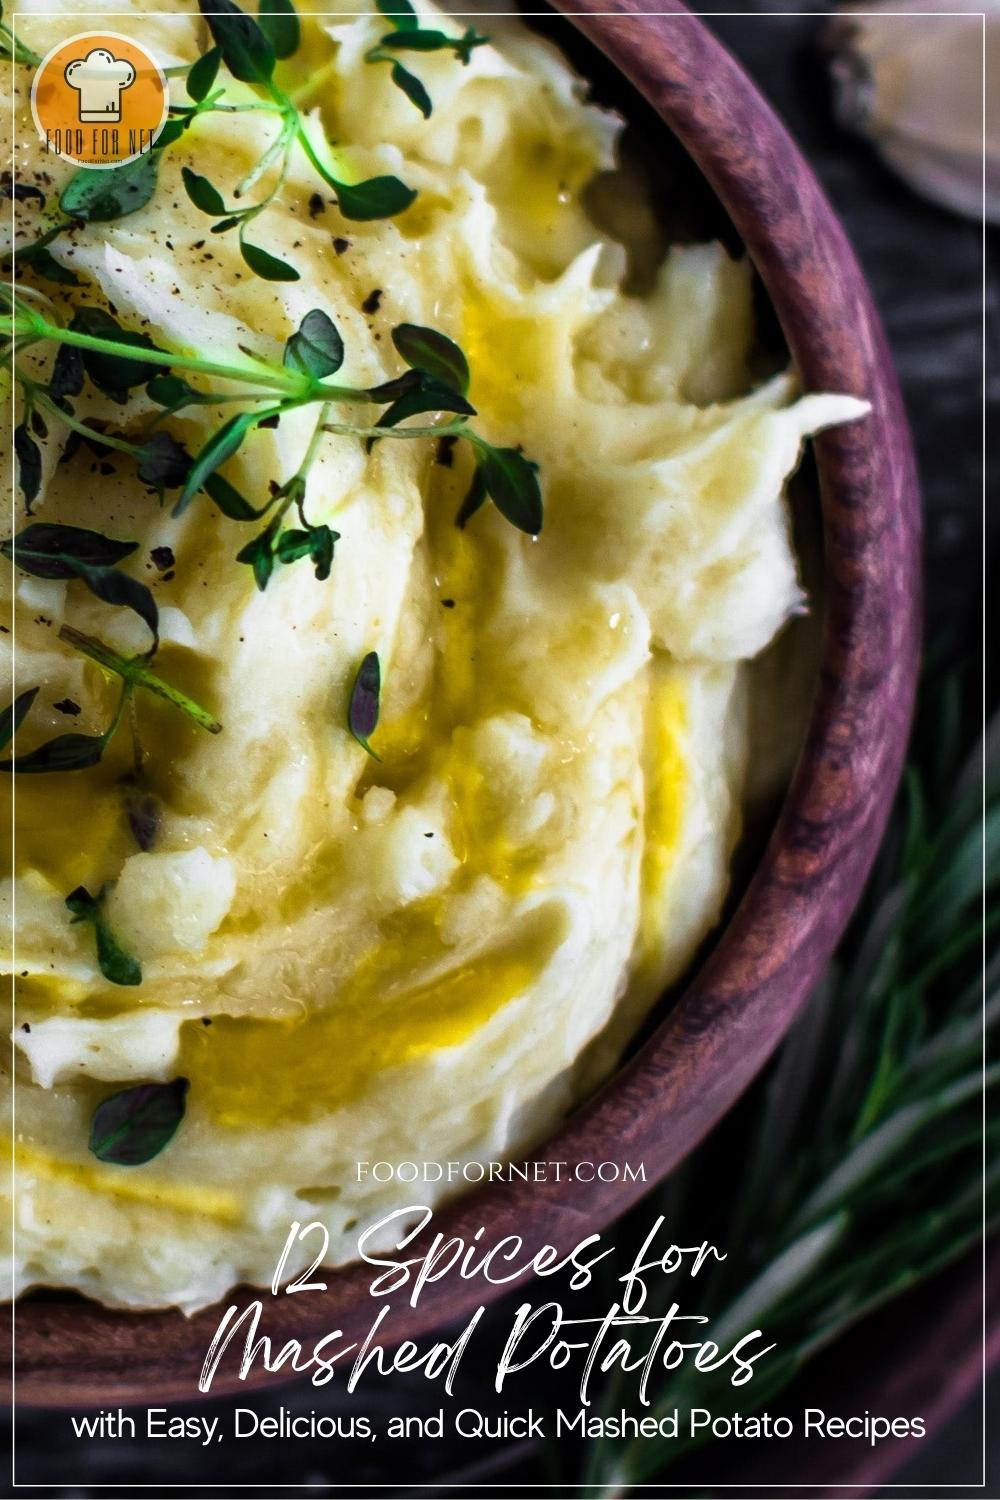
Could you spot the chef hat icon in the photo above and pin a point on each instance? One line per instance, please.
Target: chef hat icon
(99, 79)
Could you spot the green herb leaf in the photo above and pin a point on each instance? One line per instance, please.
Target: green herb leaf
(121, 589)
(317, 543)
(400, 13)
(414, 90)
(14, 714)
(416, 41)
(29, 463)
(220, 446)
(245, 49)
(512, 482)
(202, 74)
(172, 131)
(321, 544)
(291, 545)
(21, 192)
(229, 500)
(112, 373)
(475, 499)
(203, 194)
(44, 262)
(67, 752)
(363, 709)
(316, 348)
(399, 385)
(469, 42)
(117, 966)
(259, 555)
(98, 196)
(172, 392)
(378, 198)
(431, 395)
(280, 24)
(163, 462)
(67, 373)
(427, 349)
(48, 550)
(267, 267)
(224, 225)
(133, 1126)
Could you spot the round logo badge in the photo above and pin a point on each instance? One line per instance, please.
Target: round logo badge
(99, 99)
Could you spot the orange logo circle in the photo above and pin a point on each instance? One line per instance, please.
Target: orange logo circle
(99, 100)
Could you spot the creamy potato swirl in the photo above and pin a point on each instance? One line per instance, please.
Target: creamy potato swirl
(433, 955)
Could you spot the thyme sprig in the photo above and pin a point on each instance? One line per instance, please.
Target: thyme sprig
(250, 50)
(409, 36)
(78, 752)
(117, 360)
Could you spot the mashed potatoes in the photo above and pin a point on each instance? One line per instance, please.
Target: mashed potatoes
(433, 954)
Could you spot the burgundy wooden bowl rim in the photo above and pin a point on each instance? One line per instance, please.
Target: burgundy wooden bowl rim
(760, 971)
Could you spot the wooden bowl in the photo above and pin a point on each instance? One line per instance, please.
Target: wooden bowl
(762, 967)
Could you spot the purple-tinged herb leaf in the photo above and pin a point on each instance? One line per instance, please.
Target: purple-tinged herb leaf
(133, 1126)
(363, 710)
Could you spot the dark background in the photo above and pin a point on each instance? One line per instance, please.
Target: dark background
(925, 267)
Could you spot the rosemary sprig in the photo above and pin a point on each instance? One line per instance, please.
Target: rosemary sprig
(863, 1174)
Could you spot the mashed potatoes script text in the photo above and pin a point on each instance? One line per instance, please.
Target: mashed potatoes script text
(637, 1333)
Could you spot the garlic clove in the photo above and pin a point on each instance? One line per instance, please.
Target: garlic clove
(914, 83)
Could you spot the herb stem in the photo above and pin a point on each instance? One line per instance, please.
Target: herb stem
(39, 397)
(124, 699)
(301, 135)
(313, 82)
(260, 106)
(201, 716)
(314, 442)
(282, 143)
(447, 429)
(298, 390)
(10, 256)
(270, 377)
(135, 673)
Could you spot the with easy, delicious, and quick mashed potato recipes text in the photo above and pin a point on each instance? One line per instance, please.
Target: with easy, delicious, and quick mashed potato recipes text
(386, 572)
